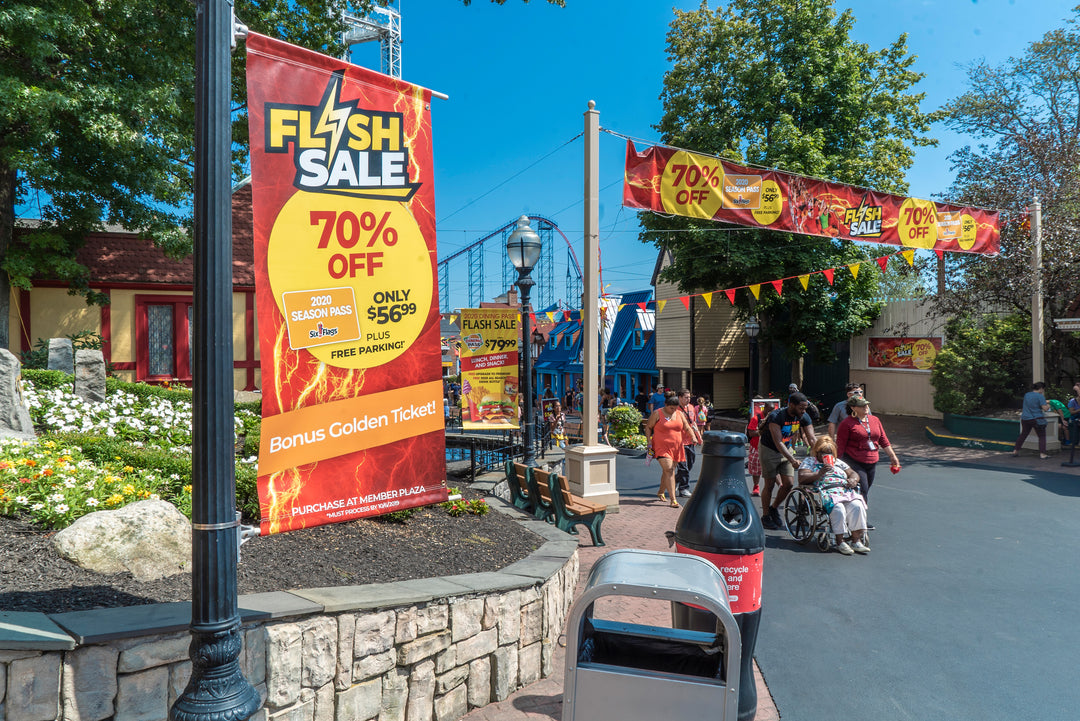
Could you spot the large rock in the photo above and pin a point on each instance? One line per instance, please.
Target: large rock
(14, 415)
(62, 355)
(149, 539)
(90, 375)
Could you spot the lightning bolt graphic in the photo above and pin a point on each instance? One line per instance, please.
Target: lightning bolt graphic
(333, 117)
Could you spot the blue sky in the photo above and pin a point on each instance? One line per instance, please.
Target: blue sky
(519, 77)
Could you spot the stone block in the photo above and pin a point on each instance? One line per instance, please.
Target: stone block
(346, 628)
(360, 702)
(324, 703)
(432, 618)
(405, 629)
(62, 355)
(532, 623)
(479, 645)
(90, 375)
(529, 664)
(14, 413)
(446, 660)
(319, 653)
(480, 682)
(395, 694)
(300, 711)
(372, 666)
(3, 684)
(466, 617)
(451, 679)
(33, 688)
(504, 673)
(154, 653)
(423, 647)
(508, 611)
(143, 696)
(283, 665)
(179, 675)
(547, 656)
(375, 633)
(452, 706)
(89, 683)
(420, 707)
(253, 657)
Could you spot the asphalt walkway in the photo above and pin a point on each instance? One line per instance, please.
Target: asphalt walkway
(643, 521)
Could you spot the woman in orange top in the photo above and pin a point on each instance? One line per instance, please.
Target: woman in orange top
(664, 432)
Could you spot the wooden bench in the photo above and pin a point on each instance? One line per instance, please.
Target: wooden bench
(569, 510)
(536, 479)
(517, 482)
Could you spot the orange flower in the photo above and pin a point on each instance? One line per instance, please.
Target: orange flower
(47, 472)
(31, 462)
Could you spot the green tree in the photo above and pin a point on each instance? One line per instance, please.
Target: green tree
(97, 118)
(1026, 112)
(981, 367)
(780, 83)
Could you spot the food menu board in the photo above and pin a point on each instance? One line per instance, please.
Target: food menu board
(489, 367)
(903, 353)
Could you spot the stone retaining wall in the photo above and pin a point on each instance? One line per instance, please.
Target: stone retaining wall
(422, 650)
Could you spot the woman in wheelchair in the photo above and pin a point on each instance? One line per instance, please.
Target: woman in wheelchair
(839, 489)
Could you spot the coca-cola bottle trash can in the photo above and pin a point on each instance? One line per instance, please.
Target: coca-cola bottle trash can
(719, 523)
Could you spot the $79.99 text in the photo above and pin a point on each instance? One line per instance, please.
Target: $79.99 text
(390, 313)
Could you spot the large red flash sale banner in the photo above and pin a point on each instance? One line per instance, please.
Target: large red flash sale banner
(345, 278)
(679, 182)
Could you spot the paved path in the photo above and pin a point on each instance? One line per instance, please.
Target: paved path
(642, 521)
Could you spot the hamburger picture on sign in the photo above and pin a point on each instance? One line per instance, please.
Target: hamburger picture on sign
(489, 367)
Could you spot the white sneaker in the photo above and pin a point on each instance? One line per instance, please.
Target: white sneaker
(844, 548)
(860, 547)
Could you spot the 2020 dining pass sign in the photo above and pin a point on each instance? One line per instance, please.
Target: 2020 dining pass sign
(345, 278)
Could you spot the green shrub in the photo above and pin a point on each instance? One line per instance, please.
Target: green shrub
(48, 380)
(984, 364)
(625, 420)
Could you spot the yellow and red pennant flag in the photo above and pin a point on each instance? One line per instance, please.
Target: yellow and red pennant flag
(756, 290)
(828, 272)
(660, 305)
(730, 293)
(685, 301)
(778, 285)
(883, 262)
(708, 299)
(805, 280)
(909, 256)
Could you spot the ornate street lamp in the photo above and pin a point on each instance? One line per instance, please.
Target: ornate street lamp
(752, 328)
(523, 247)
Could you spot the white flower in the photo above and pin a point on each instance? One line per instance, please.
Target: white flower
(37, 506)
(22, 500)
(155, 497)
(91, 502)
(89, 485)
(62, 508)
(56, 497)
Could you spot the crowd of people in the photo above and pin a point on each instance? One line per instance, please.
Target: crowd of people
(1033, 409)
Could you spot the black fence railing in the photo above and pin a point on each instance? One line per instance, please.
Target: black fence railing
(489, 450)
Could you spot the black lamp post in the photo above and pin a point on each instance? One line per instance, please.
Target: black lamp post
(523, 247)
(752, 328)
(217, 690)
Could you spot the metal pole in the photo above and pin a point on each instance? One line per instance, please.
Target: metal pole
(217, 690)
(525, 284)
(1037, 364)
(589, 310)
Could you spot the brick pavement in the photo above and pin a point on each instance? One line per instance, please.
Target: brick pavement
(641, 523)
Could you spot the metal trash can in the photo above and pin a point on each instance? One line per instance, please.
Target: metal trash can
(627, 671)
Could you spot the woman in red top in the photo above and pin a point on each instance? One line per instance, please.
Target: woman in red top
(858, 438)
(753, 458)
(664, 432)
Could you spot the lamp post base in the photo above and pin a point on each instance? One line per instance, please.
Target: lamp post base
(217, 690)
(590, 473)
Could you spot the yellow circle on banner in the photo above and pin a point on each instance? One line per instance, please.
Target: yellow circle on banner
(690, 185)
(923, 353)
(373, 248)
(968, 230)
(772, 203)
(917, 224)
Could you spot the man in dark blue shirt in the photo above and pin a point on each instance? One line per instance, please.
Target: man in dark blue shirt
(778, 463)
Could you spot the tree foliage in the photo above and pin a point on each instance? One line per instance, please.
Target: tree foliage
(780, 83)
(982, 367)
(97, 121)
(1027, 113)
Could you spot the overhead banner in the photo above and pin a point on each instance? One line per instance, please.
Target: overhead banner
(678, 182)
(489, 368)
(345, 278)
(903, 353)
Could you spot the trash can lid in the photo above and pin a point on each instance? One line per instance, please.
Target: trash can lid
(629, 571)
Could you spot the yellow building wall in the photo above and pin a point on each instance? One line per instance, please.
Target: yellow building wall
(672, 330)
(55, 314)
(719, 341)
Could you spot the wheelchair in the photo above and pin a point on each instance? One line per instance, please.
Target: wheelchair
(806, 519)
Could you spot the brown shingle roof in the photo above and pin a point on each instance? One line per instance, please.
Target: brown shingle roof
(122, 257)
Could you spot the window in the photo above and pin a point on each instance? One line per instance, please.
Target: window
(162, 337)
(639, 338)
(568, 341)
(553, 342)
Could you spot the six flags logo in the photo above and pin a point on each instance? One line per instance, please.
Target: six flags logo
(340, 148)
